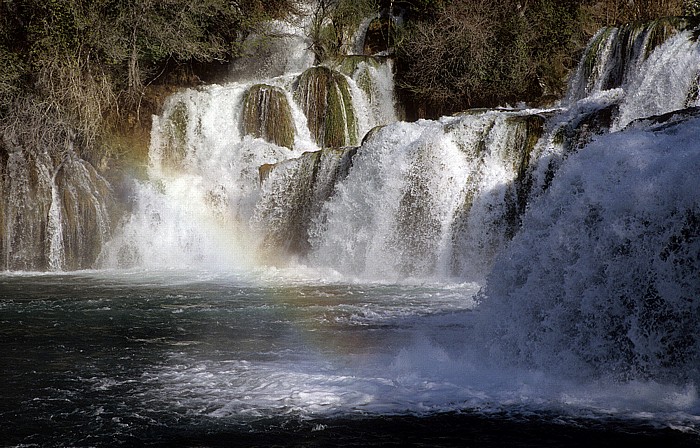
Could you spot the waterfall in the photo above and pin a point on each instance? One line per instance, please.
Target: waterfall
(292, 197)
(664, 82)
(419, 194)
(251, 170)
(26, 187)
(654, 63)
(581, 222)
(54, 228)
(614, 55)
(56, 214)
(602, 278)
(241, 170)
(373, 75)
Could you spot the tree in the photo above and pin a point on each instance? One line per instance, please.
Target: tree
(335, 22)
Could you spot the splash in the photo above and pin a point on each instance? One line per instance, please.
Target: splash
(602, 279)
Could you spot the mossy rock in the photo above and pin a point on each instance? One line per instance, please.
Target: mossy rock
(264, 171)
(324, 96)
(267, 115)
(662, 29)
(372, 133)
(348, 64)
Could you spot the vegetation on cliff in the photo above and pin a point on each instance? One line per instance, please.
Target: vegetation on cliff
(465, 53)
(92, 71)
(79, 70)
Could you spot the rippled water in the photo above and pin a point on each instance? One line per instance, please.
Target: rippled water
(195, 359)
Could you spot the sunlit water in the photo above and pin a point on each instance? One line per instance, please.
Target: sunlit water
(273, 356)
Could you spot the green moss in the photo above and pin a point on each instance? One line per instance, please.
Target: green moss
(662, 29)
(590, 59)
(267, 115)
(324, 95)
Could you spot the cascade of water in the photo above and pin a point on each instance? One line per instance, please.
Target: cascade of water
(374, 76)
(85, 201)
(54, 218)
(292, 197)
(602, 279)
(415, 189)
(27, 198)
(664, 81)
(203, 183)
(432, 198)
(614, 55)
(54, 228)
(357, 43)
(206, 152)
(277, 49)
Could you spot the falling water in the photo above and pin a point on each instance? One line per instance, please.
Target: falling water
(296, 252)
(56, 214)
(54, 228)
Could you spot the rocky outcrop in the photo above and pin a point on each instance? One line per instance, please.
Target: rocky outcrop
(267, 115)
(324, 96)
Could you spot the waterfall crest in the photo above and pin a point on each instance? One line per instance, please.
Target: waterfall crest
(614, 55)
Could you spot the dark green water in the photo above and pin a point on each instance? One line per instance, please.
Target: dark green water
(123, 359)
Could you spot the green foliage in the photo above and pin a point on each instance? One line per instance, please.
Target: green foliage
(486, 53)
(335, 22)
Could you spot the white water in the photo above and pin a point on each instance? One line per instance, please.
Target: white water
(54, 228)
(198, 207)
(662, 82)
(590, 309)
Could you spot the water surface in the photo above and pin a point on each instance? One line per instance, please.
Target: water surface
(200, 359)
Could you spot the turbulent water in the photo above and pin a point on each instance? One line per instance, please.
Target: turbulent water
(270, 356)
(301, 264)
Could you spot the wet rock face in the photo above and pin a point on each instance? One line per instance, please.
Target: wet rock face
(267, 115)
(55, 214)
(175, 143)
(24, 215)
(294, 192)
